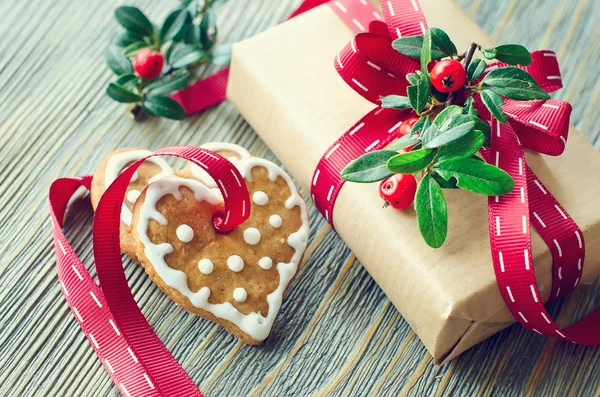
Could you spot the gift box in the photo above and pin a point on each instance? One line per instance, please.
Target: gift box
(284, 83)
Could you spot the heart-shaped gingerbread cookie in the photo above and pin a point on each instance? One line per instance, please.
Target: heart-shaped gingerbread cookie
(236, 279)
(151, 170)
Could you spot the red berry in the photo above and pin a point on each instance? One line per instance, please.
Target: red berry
(406, 126)
(448, 75)
(148, 64)
(398, 190)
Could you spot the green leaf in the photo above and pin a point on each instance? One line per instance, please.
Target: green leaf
(175, 25)
(514, 83)
(133, 48)
(440, 39)
(173, 82)
(466, 146)
(483, 127)
(494, 104)
(208, 30)
(420, 125)
(404, 142)
(429, 131)
(395, 102)
(426, 52)
(411, 162)
(117, 61)
(443, 119)
(413, 78)
(513, 54)
(185, 55)
(489, 53)
(432, 213)
(450, 135)
(444, 184)
(134, 20)
(221, 55)
(411, 47)
(121, 94)
(479, 124)
(163, 106)
(468, 107)
(123, 38)
(515, 90)
(370, 167)
(475, 69)
(418, 95)
(476, 176)
(192, 36)
(127, 81)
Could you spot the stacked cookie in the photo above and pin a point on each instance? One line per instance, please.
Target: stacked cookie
(236, 279)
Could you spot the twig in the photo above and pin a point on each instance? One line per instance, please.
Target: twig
(469, 54)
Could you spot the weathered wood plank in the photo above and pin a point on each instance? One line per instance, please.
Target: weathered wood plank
(337, 333)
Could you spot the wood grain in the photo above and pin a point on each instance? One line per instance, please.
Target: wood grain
(337, 334)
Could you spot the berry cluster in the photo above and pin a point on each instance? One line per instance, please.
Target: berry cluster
(162, 57)
(443, 138)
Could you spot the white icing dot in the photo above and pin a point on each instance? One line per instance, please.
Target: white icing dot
(252, 236)
(275, 221)
(260, 198)
(240, 294)
(235, 263)
(133, 195)
(134, 177)
(185, 233)
(206, 266)
(265, 263)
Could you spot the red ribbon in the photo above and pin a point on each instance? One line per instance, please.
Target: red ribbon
(373, 69)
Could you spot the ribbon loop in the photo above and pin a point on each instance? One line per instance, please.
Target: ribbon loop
(542, 126)
(370, 66)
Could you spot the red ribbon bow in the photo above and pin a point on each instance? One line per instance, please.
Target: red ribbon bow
(373, 69)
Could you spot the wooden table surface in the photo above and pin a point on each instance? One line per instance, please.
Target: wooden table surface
(55, 120)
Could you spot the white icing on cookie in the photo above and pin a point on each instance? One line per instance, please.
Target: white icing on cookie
(133, 195)
(252, 236)
(184, 233)
(260, 198)
(265, 263)
(118, 161)
(134, 177)
(235, 263)
(206, 266)
(298, 240)
(202, 175)
(253, 324)
(240, 295)
(275, 221)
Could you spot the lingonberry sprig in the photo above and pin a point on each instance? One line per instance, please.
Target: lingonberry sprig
(151, 62)
(442, 142)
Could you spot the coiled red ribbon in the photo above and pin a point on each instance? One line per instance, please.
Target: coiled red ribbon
(372, 68)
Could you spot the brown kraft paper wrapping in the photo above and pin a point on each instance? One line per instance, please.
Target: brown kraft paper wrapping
(284, 83)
